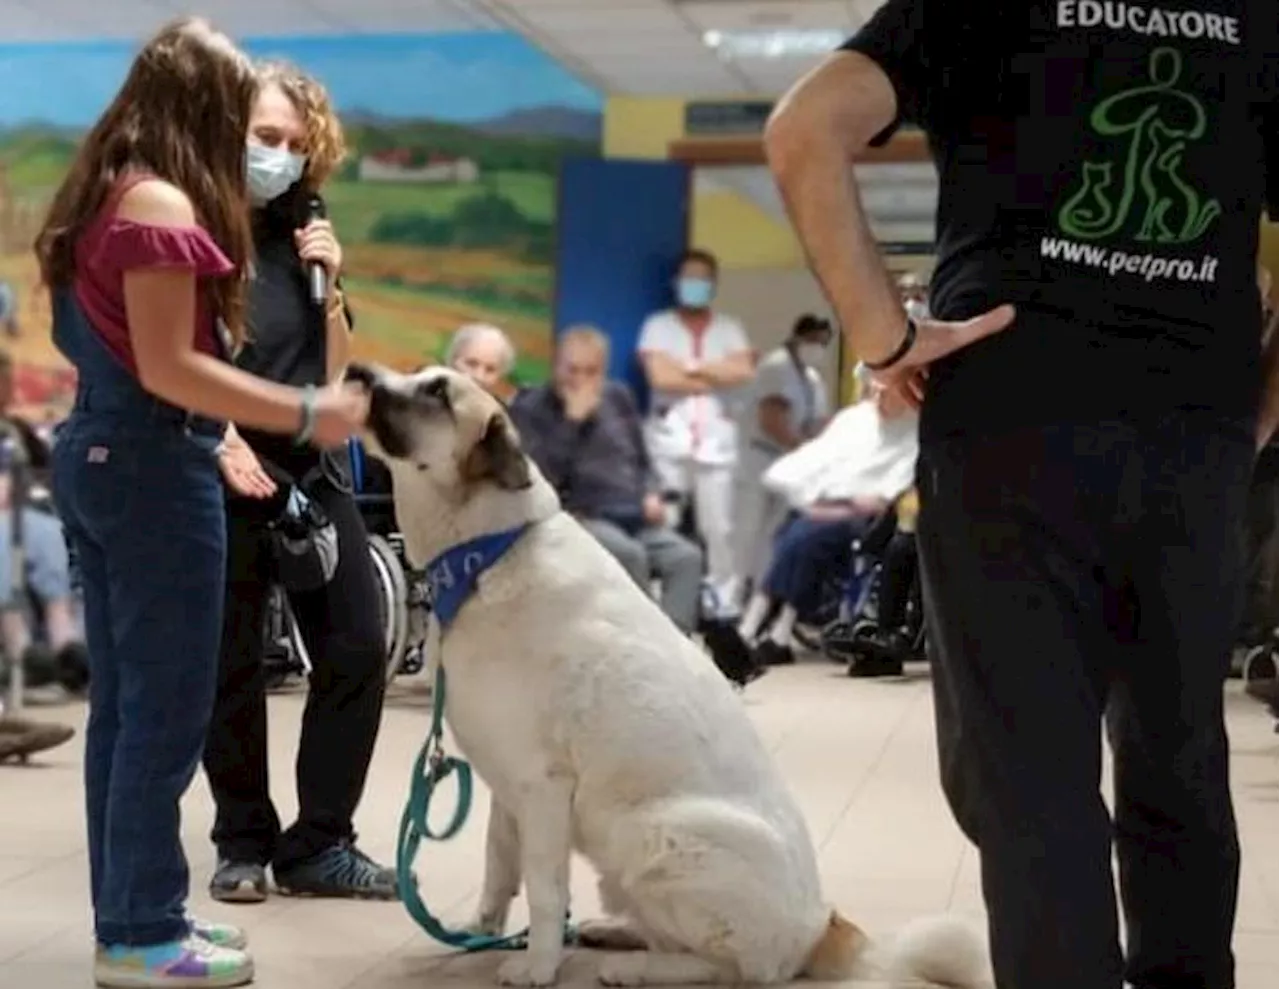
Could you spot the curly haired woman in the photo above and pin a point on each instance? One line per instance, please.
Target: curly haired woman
(294, 144)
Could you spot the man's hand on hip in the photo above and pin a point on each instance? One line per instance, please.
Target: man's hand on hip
(934, 340)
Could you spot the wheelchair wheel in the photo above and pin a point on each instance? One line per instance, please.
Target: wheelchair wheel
(299, 659)
(393, 600)
(1260, 674)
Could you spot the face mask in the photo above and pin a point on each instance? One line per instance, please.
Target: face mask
(270, 171)
(811, 354)
(695, 293)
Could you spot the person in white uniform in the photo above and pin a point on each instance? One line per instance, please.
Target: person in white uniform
(789, 407)
(914, 294)
(694, 358)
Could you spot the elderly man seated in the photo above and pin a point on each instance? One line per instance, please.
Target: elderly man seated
(584, 433)
(837, 486)
(484, 354)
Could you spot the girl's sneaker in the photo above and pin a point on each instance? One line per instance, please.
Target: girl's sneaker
(190, 964)
(220, 935)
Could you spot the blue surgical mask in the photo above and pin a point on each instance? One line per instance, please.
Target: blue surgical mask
(695, 293)
(270, 171)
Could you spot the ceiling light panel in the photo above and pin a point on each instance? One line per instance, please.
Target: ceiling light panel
(769, 15)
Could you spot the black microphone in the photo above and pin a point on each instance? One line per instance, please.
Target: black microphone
(317, 277)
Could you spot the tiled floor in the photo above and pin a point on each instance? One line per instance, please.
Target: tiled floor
(859, 756)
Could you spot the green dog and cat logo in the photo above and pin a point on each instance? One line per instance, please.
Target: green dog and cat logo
(1142, 192)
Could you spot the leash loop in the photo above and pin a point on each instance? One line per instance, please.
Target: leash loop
(431, 768)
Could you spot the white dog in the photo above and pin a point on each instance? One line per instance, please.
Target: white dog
(599, 727)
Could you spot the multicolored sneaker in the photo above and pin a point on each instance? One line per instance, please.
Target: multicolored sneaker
(339, 871)
(219, 935)
(190, 964)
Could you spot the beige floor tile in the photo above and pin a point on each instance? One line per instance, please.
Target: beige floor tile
(859, 756)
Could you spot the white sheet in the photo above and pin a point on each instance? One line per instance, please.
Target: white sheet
(858, 455)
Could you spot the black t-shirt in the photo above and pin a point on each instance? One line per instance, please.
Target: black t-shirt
(1103, 165)
(286, 338)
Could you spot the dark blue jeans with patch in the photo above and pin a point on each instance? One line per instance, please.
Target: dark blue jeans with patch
(138, 489)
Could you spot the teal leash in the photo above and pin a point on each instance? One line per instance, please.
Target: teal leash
(432, 767)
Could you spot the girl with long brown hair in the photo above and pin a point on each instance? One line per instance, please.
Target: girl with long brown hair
(146, 251)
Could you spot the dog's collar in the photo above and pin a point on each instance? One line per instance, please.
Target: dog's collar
(453, 574)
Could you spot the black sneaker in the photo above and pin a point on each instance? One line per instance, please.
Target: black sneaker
(341, 870)
(730, 653)
(73, 667)
(770, 653)
(880, 655)
(238, 882)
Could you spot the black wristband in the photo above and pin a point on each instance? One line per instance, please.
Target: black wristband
(904, 348)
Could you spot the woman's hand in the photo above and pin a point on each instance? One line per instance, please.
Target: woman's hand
(341, 411)
(936, 339)
(242, 470)
(317, 242)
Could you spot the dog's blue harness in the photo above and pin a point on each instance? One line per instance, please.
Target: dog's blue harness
(452, 577)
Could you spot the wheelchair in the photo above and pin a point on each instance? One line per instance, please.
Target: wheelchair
(846, 622)
(41, 667)
(1260, 681)
(405, 593)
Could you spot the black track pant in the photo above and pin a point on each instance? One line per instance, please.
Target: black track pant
(1068, 572)
(341, 626)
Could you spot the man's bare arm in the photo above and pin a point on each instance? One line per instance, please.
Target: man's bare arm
(812, 138)
(728, 372)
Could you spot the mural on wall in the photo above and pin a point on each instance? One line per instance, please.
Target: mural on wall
(445, 207)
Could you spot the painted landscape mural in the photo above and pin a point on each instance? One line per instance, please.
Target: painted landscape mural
(446, 205)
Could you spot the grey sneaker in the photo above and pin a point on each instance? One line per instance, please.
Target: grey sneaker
(339, 871)
(238, 882)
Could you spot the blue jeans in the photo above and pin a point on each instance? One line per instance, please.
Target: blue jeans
(807, 554)
(139, 493)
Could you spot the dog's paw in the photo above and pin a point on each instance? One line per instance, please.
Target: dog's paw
(610, 935)
(523, 970)
(622, 970)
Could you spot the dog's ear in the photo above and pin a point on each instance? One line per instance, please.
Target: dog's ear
(497, 457)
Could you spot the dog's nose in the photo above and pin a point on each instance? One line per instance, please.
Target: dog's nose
(361, 374)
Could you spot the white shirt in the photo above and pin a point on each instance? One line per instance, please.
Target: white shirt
(859, 455)
(700, 428)
(802, 388)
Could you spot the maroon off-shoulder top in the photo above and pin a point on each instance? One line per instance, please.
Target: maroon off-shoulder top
(111, 246)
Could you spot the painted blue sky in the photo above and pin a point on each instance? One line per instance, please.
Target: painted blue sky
(456, 77)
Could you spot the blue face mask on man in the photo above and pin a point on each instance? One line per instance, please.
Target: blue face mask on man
(270, 172)
(695, 293)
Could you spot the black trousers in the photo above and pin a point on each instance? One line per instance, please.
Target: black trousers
(1071, 573)
(342, 630)
(897, 580)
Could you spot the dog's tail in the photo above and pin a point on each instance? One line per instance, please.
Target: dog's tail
(942, 952)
